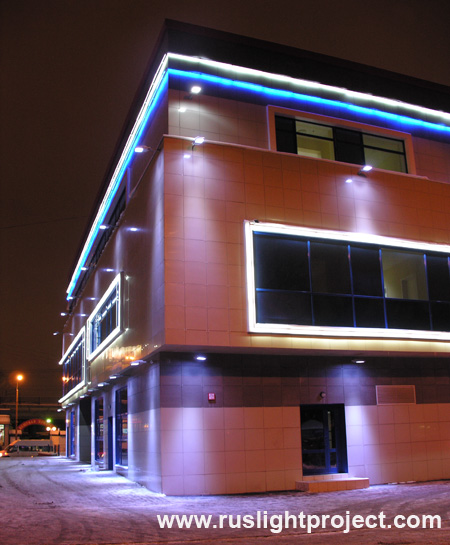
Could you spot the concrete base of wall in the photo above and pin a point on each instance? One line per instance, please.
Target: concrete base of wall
(332, 485)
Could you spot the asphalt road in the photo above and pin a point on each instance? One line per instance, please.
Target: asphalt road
(49, 501)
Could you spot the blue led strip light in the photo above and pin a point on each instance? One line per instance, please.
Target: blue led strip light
(115, 183)
(153, 98)
(281, 93)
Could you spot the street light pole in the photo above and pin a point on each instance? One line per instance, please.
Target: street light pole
(18, 379)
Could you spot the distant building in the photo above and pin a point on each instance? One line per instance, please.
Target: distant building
(253, 306)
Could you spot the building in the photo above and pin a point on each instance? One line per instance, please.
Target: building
(252, 307)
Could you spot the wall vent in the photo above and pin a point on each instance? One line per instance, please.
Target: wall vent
(396, 394)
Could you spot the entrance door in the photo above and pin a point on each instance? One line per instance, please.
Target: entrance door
(324, 445)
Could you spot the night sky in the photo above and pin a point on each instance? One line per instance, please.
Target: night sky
(69, 72)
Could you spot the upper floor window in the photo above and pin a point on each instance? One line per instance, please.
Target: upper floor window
(73, 363)
(104, 324)
(336, 282)
(339, 144)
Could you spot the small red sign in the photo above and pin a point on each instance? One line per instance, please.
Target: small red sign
(211, 397)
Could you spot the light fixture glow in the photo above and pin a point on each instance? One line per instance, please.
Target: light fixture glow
(198, 140)
(196, 89)
(142, 149)
(348, 181)
(363, 170)
(103, 227)
(182, 109)
(200, 358)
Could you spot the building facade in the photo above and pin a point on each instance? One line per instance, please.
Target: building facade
(263, 295)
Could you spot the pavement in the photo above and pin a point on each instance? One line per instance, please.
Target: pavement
(53, 500)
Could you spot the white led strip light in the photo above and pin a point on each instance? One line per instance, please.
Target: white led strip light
(311, 85)
(115, 179)
(311, 331)
(73, 344)
(116, 283)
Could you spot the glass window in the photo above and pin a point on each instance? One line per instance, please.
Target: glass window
(104, 323)
(332, 310)
(339, 143)
(369, 312)
(285, 130)
(339, 284)
(407, 314)
(122, 427)
(348, 146)
(330, 270)
(99, 432)
(314, 140)
(404, 275)
(277, 307)
(74, 366)
(282, 263)
(366, 271)
(440, 313)
(438, 278)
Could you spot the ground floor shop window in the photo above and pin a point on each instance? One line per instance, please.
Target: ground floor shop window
(99, 432)
(72, 433)
(324, 445)
(122, 427)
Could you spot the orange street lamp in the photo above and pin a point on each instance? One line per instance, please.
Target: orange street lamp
(18, 379)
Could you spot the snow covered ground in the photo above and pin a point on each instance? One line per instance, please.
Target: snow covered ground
(49, 501)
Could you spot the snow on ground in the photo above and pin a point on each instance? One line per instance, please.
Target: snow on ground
(50, 500)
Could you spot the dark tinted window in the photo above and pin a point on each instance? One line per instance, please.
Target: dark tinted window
(407, 314)
(286, 137)
(348, 146)
(330, 271)
(332, 310)
(366, 271)
(281, 263)
(369, 312)
(275, 307)
(440, 313)
(438, 278)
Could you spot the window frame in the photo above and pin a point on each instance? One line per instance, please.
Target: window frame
(121, 416)
(371, 130)
(116, 284)
(80, 338)
(337, 236)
